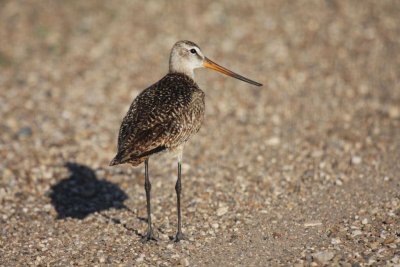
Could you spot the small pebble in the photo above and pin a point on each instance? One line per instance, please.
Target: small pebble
(356, 160)
(323, 256)
(312, 224)
(222, 210)
(140, 258)
(273, 141)
(24, 132)
(394, 112)
(184, 262)
(356, 233)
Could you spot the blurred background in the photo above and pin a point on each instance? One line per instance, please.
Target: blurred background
(319, 142)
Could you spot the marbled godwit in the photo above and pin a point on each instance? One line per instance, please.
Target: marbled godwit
(164, 116)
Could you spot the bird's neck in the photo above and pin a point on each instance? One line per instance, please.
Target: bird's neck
(177, 66)
(179, 69)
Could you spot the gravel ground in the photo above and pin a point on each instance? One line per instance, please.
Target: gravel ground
(304, 171)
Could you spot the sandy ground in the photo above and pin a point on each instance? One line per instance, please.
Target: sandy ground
(303, 171)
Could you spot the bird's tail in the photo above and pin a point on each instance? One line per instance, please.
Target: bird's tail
(124, 156)
(114, 161)
(120, 158)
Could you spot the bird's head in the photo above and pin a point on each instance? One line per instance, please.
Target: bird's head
(187, 56)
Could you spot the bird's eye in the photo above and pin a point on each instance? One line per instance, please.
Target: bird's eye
(193, 51)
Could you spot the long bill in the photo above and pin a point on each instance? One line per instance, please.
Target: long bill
(214, 66)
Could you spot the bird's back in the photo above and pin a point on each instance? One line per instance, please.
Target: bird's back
(161, 117)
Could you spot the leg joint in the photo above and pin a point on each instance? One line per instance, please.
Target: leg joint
(147, 185)
(178, 186)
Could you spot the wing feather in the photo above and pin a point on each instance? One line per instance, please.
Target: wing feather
(161, 117)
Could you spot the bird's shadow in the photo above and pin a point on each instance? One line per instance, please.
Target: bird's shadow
(82, 193)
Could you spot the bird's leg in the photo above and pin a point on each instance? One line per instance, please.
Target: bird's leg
(178, 188)
(147, 186)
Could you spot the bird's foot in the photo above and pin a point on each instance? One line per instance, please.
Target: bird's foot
(149, 236)
(178, 237)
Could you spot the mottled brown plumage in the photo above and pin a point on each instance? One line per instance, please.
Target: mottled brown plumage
(164, 116)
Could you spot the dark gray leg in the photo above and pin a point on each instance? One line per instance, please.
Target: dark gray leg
(178, 188)
(147, 186)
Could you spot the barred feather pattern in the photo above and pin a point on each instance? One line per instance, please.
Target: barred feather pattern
(162, 117)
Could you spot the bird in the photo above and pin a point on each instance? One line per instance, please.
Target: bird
(164, 116)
